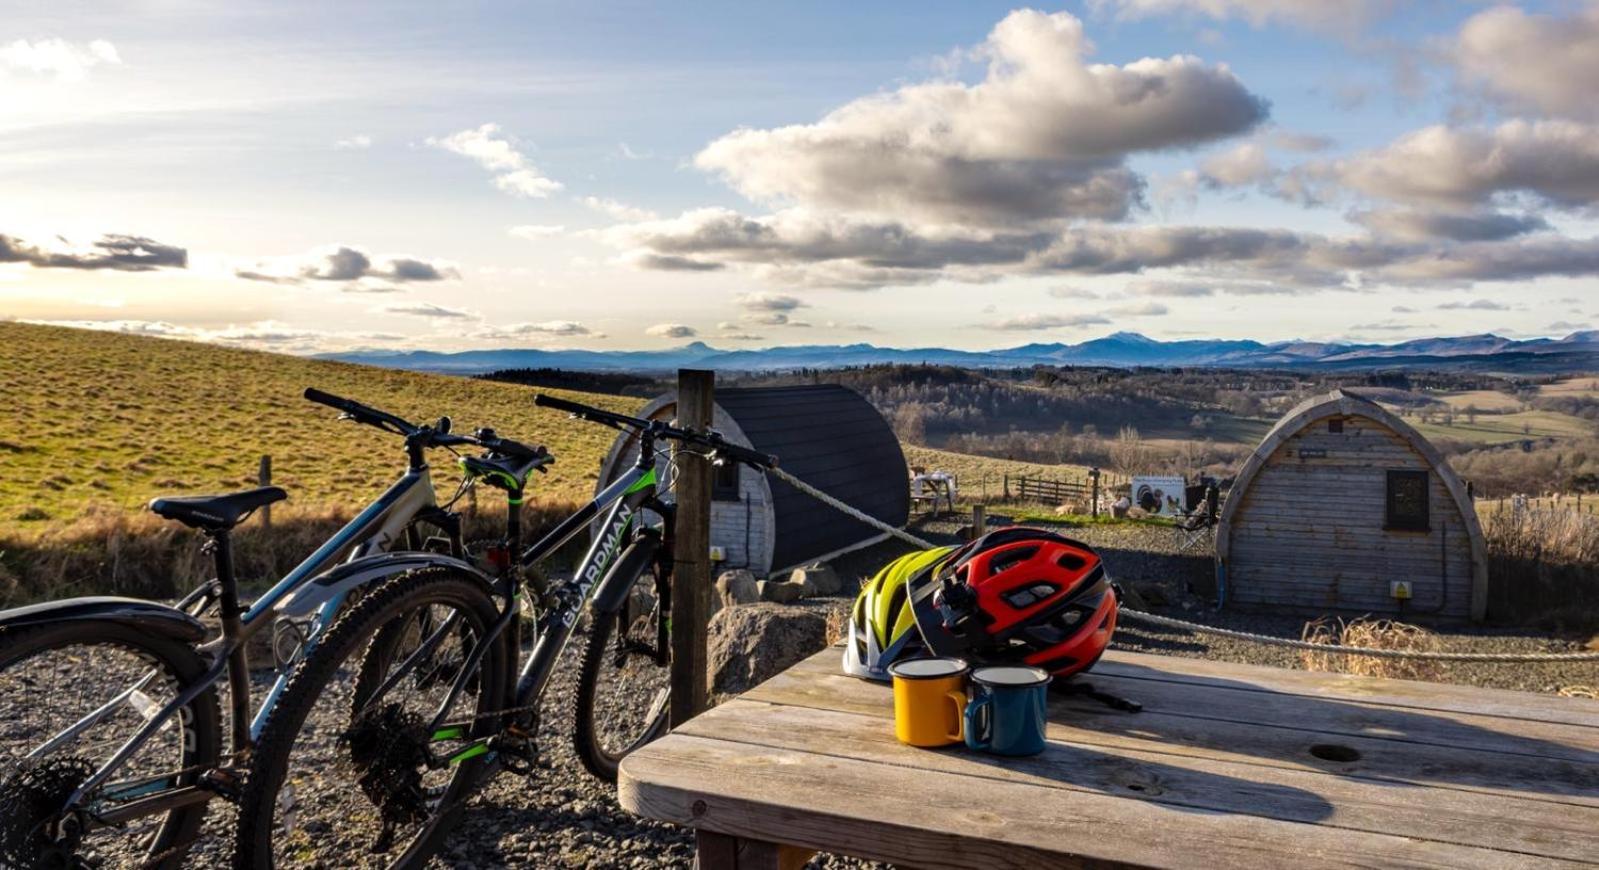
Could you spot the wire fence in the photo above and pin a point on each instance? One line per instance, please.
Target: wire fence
(1201, 628)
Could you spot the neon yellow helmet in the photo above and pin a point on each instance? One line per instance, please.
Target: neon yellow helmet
(882, 629)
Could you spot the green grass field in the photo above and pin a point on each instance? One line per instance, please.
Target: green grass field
(102, 419)
(1499, 428)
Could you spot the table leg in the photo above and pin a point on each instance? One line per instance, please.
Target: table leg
(722, 852)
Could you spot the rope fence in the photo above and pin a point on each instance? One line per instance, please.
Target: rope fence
(1200, 628)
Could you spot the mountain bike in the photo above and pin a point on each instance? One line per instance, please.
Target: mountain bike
(110, 725)
(413, 701)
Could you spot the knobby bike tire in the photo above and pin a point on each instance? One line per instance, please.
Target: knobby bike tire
(348, 637)
(597, 759)
(201, 721)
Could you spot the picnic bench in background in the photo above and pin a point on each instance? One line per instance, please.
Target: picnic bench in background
(932, 489)
(1228, 766)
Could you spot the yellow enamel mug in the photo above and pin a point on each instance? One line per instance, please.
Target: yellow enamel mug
(929, 701)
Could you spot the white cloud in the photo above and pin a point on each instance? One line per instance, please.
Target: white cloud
(619, 210)
(1033, 322)
(764, 301)
(1041, 138)
(1244, 165)
(490, 148)
(1474, 305)
(1469, 226)
(1539, 61)
(554, 328)
(1072, 293)
(1557, 161)
(430, 310)
(672, 330)
(358, 142)
(1147, 308)
(62, 60)
(534, 232)
(345, 263)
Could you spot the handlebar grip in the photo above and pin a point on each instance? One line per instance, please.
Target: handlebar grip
(332, 401)
(746, 455)
(520, 450)
(359, 412)
(544, 401)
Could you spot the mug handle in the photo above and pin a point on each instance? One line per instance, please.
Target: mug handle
(957, 698)
(974, 708)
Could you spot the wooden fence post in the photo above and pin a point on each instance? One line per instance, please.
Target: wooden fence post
(979, 521)
(1093, 476)
(263, 476)
(691, 575)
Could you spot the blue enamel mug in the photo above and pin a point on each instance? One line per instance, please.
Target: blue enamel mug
(1008, 709)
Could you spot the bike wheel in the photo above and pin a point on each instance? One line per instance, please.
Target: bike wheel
(109, 679)
(624, 682)
(348, 777)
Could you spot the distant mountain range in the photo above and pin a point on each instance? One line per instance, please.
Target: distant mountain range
(1576, 352)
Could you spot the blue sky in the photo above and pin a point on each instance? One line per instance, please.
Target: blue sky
(319, 176)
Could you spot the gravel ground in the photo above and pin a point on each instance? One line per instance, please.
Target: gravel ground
(561, 817)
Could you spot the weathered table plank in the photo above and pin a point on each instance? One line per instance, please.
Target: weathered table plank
(1177, 731)
(1217, 770)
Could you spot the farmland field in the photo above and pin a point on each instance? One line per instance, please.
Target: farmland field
(1498, 428)
(98, 418)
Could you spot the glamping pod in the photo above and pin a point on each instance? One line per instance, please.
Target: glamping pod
(1345, 507)
(826, 435)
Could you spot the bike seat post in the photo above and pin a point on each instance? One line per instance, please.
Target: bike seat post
(230, 610)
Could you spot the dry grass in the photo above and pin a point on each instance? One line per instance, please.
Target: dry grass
(1543, 565)
(108, 551)
(982, 477)
(1578, 692)
(99, 419)
(1371, 634)
(99, 423)
(837, 625)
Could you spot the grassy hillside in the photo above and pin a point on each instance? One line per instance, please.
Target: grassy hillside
(97, 418)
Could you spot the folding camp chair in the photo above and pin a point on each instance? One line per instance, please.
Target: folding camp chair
(1197, 525)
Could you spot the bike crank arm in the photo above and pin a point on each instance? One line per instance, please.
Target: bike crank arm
(159, 802)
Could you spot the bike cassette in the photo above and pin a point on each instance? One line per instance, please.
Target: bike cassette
(32, 831)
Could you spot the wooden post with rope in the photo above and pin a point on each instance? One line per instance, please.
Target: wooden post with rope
(691, 573)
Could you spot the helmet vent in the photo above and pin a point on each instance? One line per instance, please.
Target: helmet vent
(1071, 561)
(1011, 558)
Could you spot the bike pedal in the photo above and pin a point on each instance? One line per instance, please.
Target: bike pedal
(226, 782)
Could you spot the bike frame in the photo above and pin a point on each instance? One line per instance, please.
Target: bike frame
(621, 502)
(374, 530)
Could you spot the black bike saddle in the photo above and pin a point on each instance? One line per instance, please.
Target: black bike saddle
(215, 513)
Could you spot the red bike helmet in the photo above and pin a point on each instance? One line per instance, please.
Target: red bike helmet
(1019, 595)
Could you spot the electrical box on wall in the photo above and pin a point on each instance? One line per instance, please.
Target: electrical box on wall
(1399, 589)
(718, 554)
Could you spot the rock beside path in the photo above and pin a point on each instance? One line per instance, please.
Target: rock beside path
(819, 579)
(735, 587)
(752, 643)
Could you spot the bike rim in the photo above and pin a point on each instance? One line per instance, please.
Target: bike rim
(111, 690)
(354, 778)
(632, 686)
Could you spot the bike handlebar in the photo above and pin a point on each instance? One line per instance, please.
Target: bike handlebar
(359, 412)
(436, 436)
(713, 440)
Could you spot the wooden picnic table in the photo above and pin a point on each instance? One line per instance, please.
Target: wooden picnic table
(1230, 766)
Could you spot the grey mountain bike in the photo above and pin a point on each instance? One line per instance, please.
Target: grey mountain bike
(111, 731)
(414, 699)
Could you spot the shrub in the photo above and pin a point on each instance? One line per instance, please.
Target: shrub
(1371, 634)
(1543, 566)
